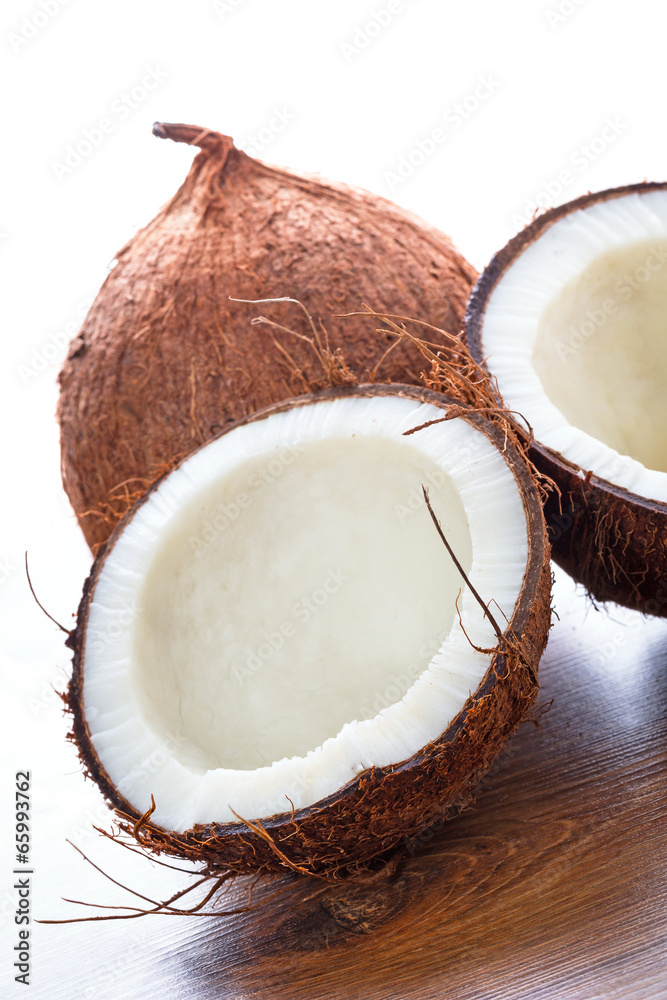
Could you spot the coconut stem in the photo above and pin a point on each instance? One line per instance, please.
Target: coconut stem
(193, 135)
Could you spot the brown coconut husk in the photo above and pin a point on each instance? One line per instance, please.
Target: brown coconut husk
(373, 816)
(164, 360)
(607, 538)
(612, 541)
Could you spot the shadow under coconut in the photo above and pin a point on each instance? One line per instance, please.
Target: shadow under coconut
(549, 885)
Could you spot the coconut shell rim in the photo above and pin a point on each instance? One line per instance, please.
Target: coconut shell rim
(478, 301)
(498, 670)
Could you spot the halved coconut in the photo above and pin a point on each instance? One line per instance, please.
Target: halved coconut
(571, 319)
(269, 651)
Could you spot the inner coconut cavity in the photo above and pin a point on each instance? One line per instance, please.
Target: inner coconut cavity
(288, 593)
(280, 614)
(575, 332)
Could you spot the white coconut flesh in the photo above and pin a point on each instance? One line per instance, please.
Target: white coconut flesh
(575, 331)
(280, 614)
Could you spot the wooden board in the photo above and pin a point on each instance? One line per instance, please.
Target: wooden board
(554, 885)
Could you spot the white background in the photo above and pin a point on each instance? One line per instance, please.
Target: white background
(356, 105)
(535, 102)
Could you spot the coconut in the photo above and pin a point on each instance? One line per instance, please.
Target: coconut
(165, 360)
(279, 665)
(569, 317)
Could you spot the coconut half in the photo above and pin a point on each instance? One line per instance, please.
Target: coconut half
(570, 318)
(269, 652)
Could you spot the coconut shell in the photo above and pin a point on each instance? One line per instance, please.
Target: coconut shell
(612, 541)
(383, 808)
(607, 538)
(164, 360)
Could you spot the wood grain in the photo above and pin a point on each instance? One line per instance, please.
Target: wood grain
(553, 886)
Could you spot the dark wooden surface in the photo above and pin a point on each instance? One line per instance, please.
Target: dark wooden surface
(553, 885)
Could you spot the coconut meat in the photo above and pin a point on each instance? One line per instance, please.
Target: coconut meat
(575, 331)
(279, 614)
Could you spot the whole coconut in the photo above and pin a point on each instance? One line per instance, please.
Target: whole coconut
(165, 360)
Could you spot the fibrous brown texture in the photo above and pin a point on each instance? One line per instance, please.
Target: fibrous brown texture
(375, 813)
(164, 360)
(609, 539)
